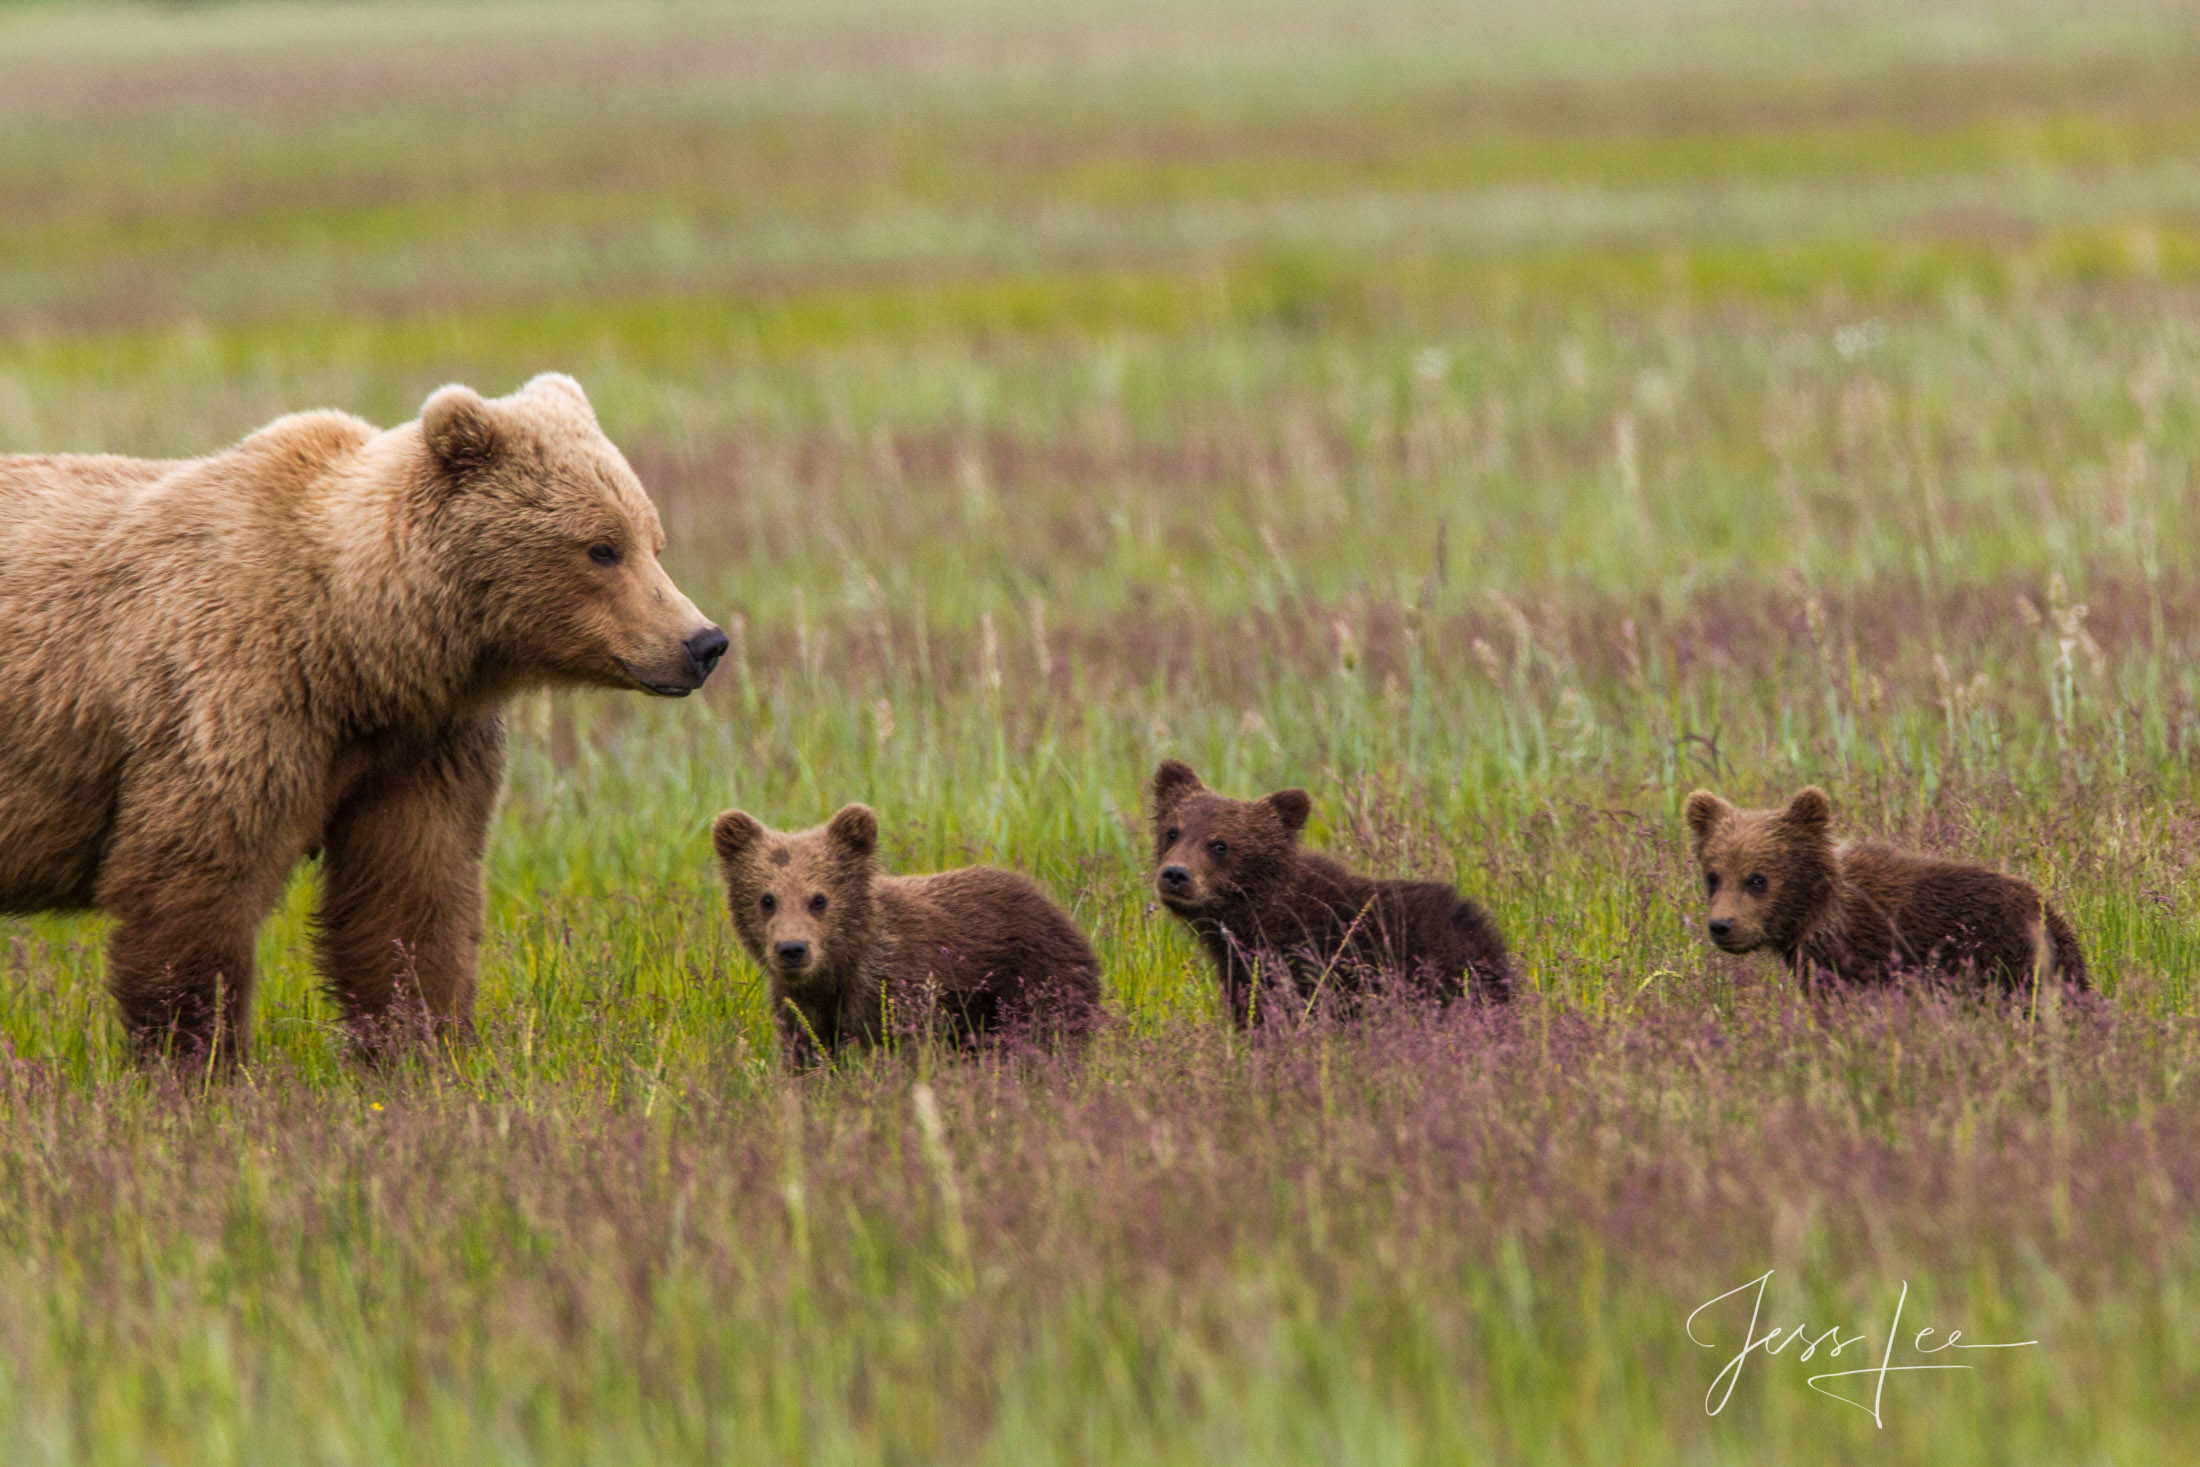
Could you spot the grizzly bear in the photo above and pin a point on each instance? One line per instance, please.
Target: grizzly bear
(1277, 920)
(1864, 912)
(213, 668)
(853, 955)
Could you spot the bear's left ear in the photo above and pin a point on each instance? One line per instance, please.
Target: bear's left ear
(559, 385)
(1706, 813)
(460, 428)
(1291, 807)
(854, 830)
(1171, 783)
(734, 834)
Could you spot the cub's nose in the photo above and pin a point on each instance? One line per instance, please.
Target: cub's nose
(792, 954)
(1175, 878)
(1722, 929)
(704, 649)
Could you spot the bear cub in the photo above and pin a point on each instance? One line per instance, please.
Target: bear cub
(1863, 912)
(1278, 921)
(853, 954)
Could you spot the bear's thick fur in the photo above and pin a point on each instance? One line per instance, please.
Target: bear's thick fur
(853, 955)
(211, 668)
(1865, 913)
(1273, 916)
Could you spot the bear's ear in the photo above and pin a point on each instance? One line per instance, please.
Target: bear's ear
(1171, 783)
(559, 385)
(1706, 813)
(460, 428)
(854, 830)
(734, 834)
(1810, 811)
(1291, 807)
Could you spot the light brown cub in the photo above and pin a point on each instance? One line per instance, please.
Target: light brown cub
(1865, 912)
(853, 954)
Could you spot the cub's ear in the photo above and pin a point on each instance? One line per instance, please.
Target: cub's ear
(1291, 807)
(734, 834)
(854, 830)
(1810, 810)
(460, 428)
(559, 385)
(1171, 783)
(1706, 813)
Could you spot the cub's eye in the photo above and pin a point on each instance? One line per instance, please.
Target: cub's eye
(1755, 886)
(771, 903)
(604, 554)
(1172, 835)
(817, 903)
(1219, 848)
(1711, 883)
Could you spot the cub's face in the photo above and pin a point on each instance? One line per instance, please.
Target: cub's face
(551, 543)
(798, 899)
(1209, 851)
(1763, 870)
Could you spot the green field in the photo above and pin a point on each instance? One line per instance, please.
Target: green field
(1498, 419)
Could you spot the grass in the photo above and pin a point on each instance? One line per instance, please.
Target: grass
(1499, 424)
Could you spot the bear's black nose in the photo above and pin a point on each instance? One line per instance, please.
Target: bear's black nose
(1175, 878)
(793, 954)
(704, 649)
(1722, 929)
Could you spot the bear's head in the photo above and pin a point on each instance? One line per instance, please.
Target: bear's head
(549, 547)
(1769, 874)
(1211, 853)
(801, 902)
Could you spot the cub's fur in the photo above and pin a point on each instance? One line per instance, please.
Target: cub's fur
(1863, 912)
(1271, 913)
(853, 954)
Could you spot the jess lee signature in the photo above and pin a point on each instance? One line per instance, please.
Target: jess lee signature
(1776, 1339)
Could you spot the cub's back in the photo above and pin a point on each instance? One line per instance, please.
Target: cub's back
(981, 923)
(1929, 900)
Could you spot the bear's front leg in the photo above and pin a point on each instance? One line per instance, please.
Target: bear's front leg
(181, 966)
(400, 924)
(189, 875)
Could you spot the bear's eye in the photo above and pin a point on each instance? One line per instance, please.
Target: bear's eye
(1755, 885)
(1711, 883)
(1172, 835)
(1219, 848)
(817, 903)
(771, 903)
(604, 554)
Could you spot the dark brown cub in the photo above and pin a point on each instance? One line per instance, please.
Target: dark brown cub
(1282, 922)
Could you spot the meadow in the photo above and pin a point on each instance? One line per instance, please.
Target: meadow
(1499, 423)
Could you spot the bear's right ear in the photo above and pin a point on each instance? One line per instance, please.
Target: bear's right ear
(1706, 813)
(854, 830)
(734, 834)
(1291, 807)
(560, 385)
(1171, 783)
(1810, 812)
(460, 428)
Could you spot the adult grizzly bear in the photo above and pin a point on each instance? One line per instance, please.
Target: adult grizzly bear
(211, 668)
(1276, 919)
(853, 953)
(1865, 912)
